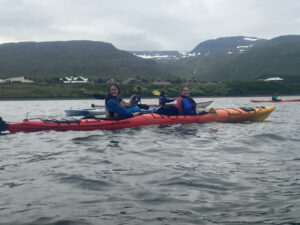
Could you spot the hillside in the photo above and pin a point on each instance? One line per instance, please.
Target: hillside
(222, 59)
(223, 45)
(227, 45)
(278, 56)
(65, 58)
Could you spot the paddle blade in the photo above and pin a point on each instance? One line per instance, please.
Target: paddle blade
(202, 105)
(3, 125)
(156, 92)
(139, 89)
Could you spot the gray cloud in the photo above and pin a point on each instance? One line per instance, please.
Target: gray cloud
(146, 25)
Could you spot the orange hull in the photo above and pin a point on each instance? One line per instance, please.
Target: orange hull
(221, 115)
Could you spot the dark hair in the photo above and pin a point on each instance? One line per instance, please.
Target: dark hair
(184, 87)
(162, 93)
(108, 89)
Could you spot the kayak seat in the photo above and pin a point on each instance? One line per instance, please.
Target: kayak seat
(143, 106)
(168, 110)
(89, 117)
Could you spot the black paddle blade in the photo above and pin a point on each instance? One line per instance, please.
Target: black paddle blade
(3, 125)
(139, 89)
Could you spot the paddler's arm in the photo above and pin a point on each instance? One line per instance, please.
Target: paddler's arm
(114, 106)
(168, 100)
(136, 101)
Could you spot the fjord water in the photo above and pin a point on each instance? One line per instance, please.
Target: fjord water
(215, 173)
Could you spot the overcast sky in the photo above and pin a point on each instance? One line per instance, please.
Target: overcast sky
(146, 24)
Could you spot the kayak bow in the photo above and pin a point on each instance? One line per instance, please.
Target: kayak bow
(290, 100)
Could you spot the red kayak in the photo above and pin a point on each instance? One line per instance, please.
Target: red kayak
(291, 100)
(218, 115)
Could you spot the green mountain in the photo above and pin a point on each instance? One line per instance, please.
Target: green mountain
(218, 60)
(227, 44)
(277, 57)
(95, 60)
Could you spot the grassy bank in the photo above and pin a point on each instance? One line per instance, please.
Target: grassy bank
(56, 91)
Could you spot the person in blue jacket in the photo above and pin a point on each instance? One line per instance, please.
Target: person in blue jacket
(185, 103)
(275, 97)
(163, 98)
(114, 105)
(134, 100)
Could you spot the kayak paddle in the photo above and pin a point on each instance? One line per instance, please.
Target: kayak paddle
(156, 92)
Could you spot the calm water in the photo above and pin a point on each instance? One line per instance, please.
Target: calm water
(214, 173)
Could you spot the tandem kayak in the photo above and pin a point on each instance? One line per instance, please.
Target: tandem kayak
(85, 124)
(282, 100)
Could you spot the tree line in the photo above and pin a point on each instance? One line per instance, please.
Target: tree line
(57, 91)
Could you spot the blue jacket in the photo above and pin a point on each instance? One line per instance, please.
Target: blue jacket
(163, 100)
(275, 98)
(188, 106)
(114, 106)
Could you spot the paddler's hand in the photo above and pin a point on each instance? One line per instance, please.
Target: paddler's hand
(135, 113)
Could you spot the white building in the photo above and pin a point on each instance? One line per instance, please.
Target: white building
(110, 81)
(19, 79)
(75, 80)
(273, 79)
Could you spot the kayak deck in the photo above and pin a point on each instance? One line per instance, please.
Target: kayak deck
(85, 112)
(282, 100)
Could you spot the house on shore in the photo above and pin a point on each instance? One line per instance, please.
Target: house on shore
(131, 80)
(74, 80)
(273, 79)
(161, 82)
(111, 80)
(19, 80)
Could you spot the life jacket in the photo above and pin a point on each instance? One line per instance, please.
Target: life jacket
(109, 114)
(179, 104)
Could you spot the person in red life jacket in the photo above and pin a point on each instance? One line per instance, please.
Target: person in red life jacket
(114, 105)
(185, 103)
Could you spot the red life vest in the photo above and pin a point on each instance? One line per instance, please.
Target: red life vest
(179, 106)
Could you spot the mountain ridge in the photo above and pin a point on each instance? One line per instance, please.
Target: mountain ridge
(61, 58)
(212, 60)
